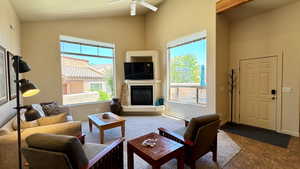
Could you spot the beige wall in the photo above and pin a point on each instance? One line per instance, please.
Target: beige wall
(9, 39)
(40, 47)
(273, 33)
(175, 19)
(222, 62)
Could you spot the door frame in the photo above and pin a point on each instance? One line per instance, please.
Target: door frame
(279, 71)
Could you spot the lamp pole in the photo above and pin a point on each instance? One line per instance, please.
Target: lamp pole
(17, 60)
(28, 89)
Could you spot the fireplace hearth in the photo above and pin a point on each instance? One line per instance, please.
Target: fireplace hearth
(141, 95)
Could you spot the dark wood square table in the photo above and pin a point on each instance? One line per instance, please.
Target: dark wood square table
(164, 151)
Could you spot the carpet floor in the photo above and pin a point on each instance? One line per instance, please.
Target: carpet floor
(138, 126)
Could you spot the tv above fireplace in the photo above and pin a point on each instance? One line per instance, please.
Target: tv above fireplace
(139, 71)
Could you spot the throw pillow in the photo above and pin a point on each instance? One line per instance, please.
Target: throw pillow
(51, 109)
(24, 124)
(39, 108)
(3, 132)
(48, 120)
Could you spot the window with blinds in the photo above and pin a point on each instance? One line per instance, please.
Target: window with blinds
(187, 71)
(87, 70)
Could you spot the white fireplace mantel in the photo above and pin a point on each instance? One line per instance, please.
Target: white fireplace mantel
(144, 56)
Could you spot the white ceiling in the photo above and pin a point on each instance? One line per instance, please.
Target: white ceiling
(38, 10)
(254, 7)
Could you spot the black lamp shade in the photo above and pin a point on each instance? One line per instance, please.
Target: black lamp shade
(23, 66)
(27, 88)
(31, 114)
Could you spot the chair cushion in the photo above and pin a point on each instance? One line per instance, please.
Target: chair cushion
(48, 120)
(196, 123)
(91, 150)
(68, 145)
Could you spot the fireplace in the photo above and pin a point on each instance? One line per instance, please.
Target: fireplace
(141, 95)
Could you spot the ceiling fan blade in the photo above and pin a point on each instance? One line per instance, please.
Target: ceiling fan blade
(113, 1)
(133, 8)
(148, 5)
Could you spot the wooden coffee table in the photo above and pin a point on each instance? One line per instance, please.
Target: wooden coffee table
(164, 151)
(104, 124)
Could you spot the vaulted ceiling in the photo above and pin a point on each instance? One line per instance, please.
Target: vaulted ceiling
(37, 10)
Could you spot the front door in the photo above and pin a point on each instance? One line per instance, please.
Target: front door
(258, 90)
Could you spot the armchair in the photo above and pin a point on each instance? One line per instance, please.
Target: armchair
(66, 152)
(198, 137)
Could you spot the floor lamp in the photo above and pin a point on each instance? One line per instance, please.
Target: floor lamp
(27, 89)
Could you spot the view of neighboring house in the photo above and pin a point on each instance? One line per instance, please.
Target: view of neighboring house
(82, 81)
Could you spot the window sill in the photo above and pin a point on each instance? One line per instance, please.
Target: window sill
(193, 104)
(87, 103)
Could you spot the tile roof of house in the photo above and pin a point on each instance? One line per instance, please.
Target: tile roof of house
(77, 69)
(80, 73)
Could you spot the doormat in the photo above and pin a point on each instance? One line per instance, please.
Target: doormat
(259, 134)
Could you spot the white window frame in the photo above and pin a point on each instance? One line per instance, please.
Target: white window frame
(100, 44)
(182, 41)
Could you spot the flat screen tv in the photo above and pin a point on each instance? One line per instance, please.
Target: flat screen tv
(139, 71)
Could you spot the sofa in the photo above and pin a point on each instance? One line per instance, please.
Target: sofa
(8, 135)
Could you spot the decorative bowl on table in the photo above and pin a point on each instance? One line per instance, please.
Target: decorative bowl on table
(105, 116)
(150, 143)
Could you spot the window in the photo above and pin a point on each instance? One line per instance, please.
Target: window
(96, 86)
(187, 70)
(87, 70)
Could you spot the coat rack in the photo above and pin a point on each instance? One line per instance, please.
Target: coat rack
(232, 79)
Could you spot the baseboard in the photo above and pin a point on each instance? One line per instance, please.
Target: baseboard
(141, 114)
(223, 122)
(292, 133)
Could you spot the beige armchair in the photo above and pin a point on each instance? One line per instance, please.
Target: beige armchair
(47, 151)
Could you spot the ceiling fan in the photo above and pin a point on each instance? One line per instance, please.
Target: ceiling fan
(134, 3)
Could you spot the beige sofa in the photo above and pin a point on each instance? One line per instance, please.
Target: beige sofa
(8, 142)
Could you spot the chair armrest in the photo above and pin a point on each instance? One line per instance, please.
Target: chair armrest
(173, 136)
(115, 147)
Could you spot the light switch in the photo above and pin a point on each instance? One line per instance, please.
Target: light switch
(286, 89)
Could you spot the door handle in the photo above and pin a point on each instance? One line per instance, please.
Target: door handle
(274, 94)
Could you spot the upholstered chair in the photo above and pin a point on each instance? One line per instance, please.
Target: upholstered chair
(47, 151)
(199, 137)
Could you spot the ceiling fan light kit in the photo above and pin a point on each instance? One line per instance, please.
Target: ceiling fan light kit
(133, 8)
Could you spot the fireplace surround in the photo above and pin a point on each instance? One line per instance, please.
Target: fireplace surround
(141, 95)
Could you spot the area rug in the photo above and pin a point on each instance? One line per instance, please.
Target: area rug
(259, 134)
(138, 126)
